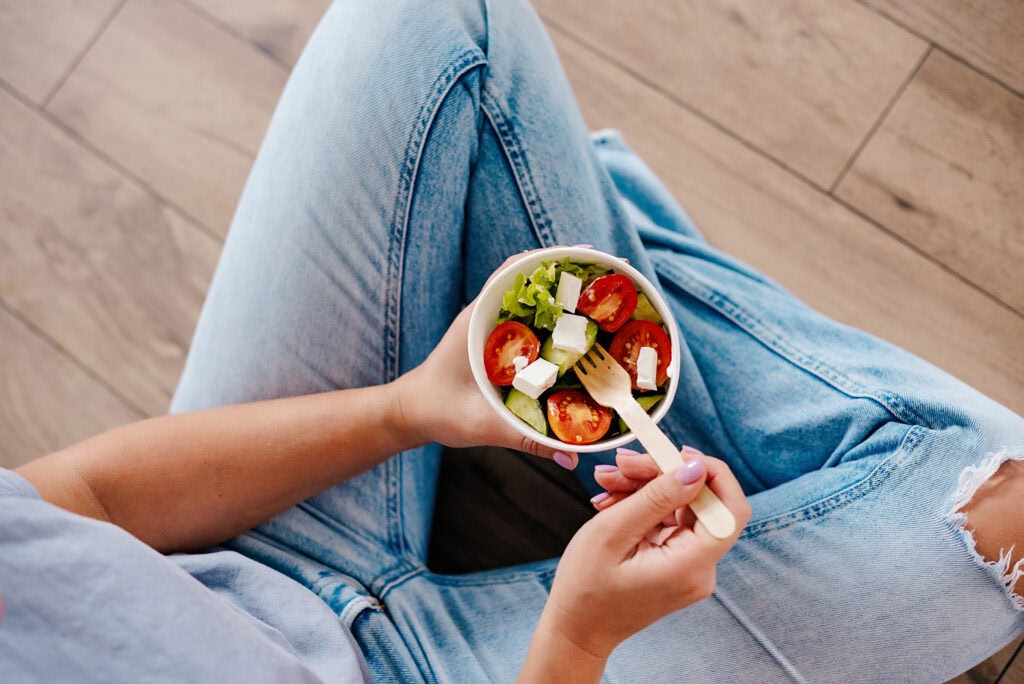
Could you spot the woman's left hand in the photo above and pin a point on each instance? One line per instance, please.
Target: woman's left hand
(457, 414)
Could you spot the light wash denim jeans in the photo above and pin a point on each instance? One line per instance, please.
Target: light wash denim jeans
(417, 145)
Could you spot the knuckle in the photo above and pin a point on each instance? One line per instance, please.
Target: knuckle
(658, 498)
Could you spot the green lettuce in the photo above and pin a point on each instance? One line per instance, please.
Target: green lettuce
(532, 298)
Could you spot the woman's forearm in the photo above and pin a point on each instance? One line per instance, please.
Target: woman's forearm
(189, 480)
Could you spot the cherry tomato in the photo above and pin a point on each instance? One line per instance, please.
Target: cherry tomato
(505, 343)
(610, 300)
(625, 348)
(575, 418)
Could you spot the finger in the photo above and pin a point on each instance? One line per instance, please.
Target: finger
(566, 459)
(636, 466)
(612, 479)
(607, 499)
(636, 515)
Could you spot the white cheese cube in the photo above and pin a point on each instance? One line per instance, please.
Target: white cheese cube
(570, 333)
(521, 362)
(535, 378)
(568, 292)
(647, 368)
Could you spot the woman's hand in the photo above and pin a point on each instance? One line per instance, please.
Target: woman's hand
(626, 567)
(459, 416)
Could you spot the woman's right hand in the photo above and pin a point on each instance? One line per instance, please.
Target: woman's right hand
(626, 568)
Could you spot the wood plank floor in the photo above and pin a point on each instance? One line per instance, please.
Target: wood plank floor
(867, 154)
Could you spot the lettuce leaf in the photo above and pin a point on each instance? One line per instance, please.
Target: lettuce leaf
(532, 299)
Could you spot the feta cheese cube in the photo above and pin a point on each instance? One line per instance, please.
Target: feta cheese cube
(647, 368)
(568, 292)
(570, 333)
(535, 378)
(520, 362)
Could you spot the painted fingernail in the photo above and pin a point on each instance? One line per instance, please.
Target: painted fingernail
(585, 246)
(565, 460)
(691, 471)
(692, 451)
(600, 498)
(627, 452)
(604, 468)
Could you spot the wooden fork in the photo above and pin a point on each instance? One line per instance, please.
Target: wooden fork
(609, 385)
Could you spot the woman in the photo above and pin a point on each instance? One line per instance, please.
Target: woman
(417, 145)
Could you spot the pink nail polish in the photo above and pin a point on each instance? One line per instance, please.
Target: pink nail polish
(603, 496)
(585, 246)
(627, 452)
(563, 459)
(691, 471)
(605, 468)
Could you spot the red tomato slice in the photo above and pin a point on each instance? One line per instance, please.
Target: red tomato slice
(575, 418)
(505, 343)
(609, 300)
(625, 348)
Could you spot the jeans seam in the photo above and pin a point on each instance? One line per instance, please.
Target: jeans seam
(465, 61)
(515, 155)
(850, 493)
(771, 338)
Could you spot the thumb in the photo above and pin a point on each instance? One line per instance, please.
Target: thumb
(637, 515)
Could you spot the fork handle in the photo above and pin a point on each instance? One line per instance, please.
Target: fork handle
(708, 508)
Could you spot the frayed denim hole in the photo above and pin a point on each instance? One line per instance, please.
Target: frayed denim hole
(1003, 570)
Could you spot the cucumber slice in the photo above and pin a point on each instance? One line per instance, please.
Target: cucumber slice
(527, 409)
(567, 359)
(645, 311)
(647, 402)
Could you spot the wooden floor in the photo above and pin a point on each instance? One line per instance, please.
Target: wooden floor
(868, 154)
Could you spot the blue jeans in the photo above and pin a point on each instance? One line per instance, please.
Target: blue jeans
(416, 146)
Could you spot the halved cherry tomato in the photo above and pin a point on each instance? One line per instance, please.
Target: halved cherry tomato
(610, 300)
(576, 418)
(509, 340)
(625, 348)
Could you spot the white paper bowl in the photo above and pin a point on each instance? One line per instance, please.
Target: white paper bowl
(485, 316)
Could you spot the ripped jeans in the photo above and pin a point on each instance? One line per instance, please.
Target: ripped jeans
(416, 146)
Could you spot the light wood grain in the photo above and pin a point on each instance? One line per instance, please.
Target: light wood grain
(97, 263)
(834, 260)
(946, 172)
(40, 40)
(278, 28)
(989, 35)
(802, 80)
(46, 401)
(177, 101)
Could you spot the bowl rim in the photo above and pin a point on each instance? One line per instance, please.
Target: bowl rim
(503, 278)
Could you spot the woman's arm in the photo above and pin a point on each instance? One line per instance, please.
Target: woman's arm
(189, 480)
(193, 479)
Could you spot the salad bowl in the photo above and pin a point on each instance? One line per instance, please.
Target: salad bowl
(485, 318)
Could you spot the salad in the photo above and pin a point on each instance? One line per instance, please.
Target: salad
(548, 321)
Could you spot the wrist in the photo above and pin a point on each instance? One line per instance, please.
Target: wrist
(407, 416)
(555, 655)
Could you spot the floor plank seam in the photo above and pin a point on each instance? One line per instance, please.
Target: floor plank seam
(881, 119)
(675, 99)
(66, 353)
(102, 156)
(81, 55)
(233, 32)
(942, 48)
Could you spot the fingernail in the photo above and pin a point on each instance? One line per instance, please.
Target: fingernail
(691, 471)
(627, 452)
(691, 450)
(604, 468)
(603, 496)
(585, 246)
(565, 460)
